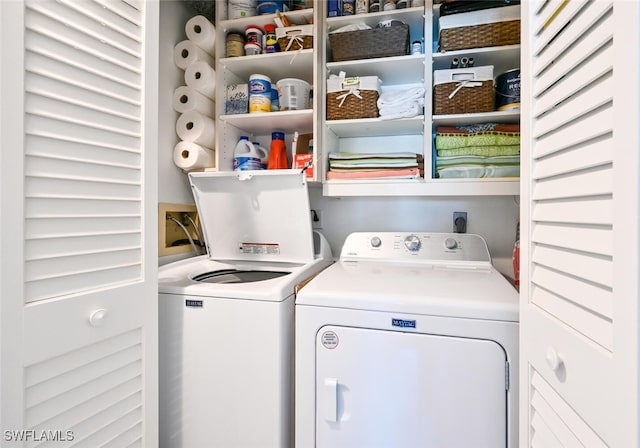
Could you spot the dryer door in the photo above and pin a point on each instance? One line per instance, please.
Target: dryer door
(378, 388)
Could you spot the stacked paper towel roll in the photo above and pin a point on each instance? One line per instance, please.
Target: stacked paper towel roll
(190, 156)
(195, 101)
(196, 128)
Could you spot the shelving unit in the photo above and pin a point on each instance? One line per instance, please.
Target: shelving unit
(360, 135)
(300, 64)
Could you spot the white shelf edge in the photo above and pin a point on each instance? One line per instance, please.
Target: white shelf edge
(429, 187)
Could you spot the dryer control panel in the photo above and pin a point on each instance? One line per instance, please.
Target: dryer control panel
(446, 248)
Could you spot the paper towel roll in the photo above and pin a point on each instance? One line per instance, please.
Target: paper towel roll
(201, 77)
(202, 33)
(187, 52)
(186, 99)
(190, 156)
(195, 127)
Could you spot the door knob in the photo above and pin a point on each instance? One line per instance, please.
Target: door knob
(96, 318)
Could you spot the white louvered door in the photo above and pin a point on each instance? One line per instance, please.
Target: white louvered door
(79, 198)
(579, 191)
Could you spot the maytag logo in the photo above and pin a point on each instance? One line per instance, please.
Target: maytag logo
(402, 323)
(193, 303)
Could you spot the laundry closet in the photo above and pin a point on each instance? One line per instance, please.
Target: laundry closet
(88, 132)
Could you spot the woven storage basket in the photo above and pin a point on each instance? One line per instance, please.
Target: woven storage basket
(344, 104)
(367, 44)
(293, 38)
(463, 90)
(478, 36)
(467, 100)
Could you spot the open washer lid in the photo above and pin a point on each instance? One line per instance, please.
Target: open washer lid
(254, 215)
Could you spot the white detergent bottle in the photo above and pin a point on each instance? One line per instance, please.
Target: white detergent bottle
(264, 155)
(245, 156)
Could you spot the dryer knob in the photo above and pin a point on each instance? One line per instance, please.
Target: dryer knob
(412, 243)
(376, 241)
(450, 243)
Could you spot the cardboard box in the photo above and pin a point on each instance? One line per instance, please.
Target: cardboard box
(301, 155)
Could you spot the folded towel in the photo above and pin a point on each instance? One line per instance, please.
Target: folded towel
(487, 151)
(476, 160)
(395, 97)
(406, 173)
(403, 110)
(475, 172)
(483, 134)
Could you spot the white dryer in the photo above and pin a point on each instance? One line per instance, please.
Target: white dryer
(226, 319)
(408, 340)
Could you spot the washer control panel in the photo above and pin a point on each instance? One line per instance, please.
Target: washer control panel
(416, 246)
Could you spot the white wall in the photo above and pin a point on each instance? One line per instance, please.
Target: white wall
(494, 218)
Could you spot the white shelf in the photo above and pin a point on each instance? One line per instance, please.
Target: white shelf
(285, 64)
(241, 24)
(419, 187)
(394, 70)
(287, 121)
(502, 58)
(502, 116)
(375, 127)
(414, 17)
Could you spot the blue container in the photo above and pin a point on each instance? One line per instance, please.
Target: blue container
(334, 8)
(271, 6)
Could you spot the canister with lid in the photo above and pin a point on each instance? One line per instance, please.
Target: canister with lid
(234, 44)
(254, 36)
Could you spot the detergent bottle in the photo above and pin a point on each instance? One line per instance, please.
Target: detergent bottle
(245, 156)
(264, 155)
(278, 152)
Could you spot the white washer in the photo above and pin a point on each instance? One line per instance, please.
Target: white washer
(408, 340)
(226, 320)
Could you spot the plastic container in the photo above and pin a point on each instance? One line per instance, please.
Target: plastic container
(253, 34)
(293, 94)
(259, 93)
(245, 156)
(251, 49)
(234, 45)
(278, 152)
(275, 99)
(270, 6)
(264, 155)
(238, 9)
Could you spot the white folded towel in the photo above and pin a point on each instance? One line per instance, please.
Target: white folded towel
(407, 109)
(395, 97)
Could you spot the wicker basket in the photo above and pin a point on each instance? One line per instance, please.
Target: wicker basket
(467, 100)
(292, 38)
(479, 36)
(352, 107)
(367, 44)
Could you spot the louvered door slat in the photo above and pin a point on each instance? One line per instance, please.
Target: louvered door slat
(45, 25)
(584, 155)
(60, 168)
(71, 65)
(563, 15)
(82, 116)
(54, 246)
(126, 9)
(599, 93)
(564, 413)
(543, 437)
(571, 83)
(581, 50)
(72, 16)
(580, 210)
(597, 240)
(549, 9)
(585, 128)
(89, 99)
(120, 23)
(589, 267)
(566, 32)
(587, 295)
(590, 182)
(90, 227)
(54, 149)
(554, 426)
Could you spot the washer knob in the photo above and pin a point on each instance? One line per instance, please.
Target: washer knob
(412, 243)
(450, 243)
(376, 241)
